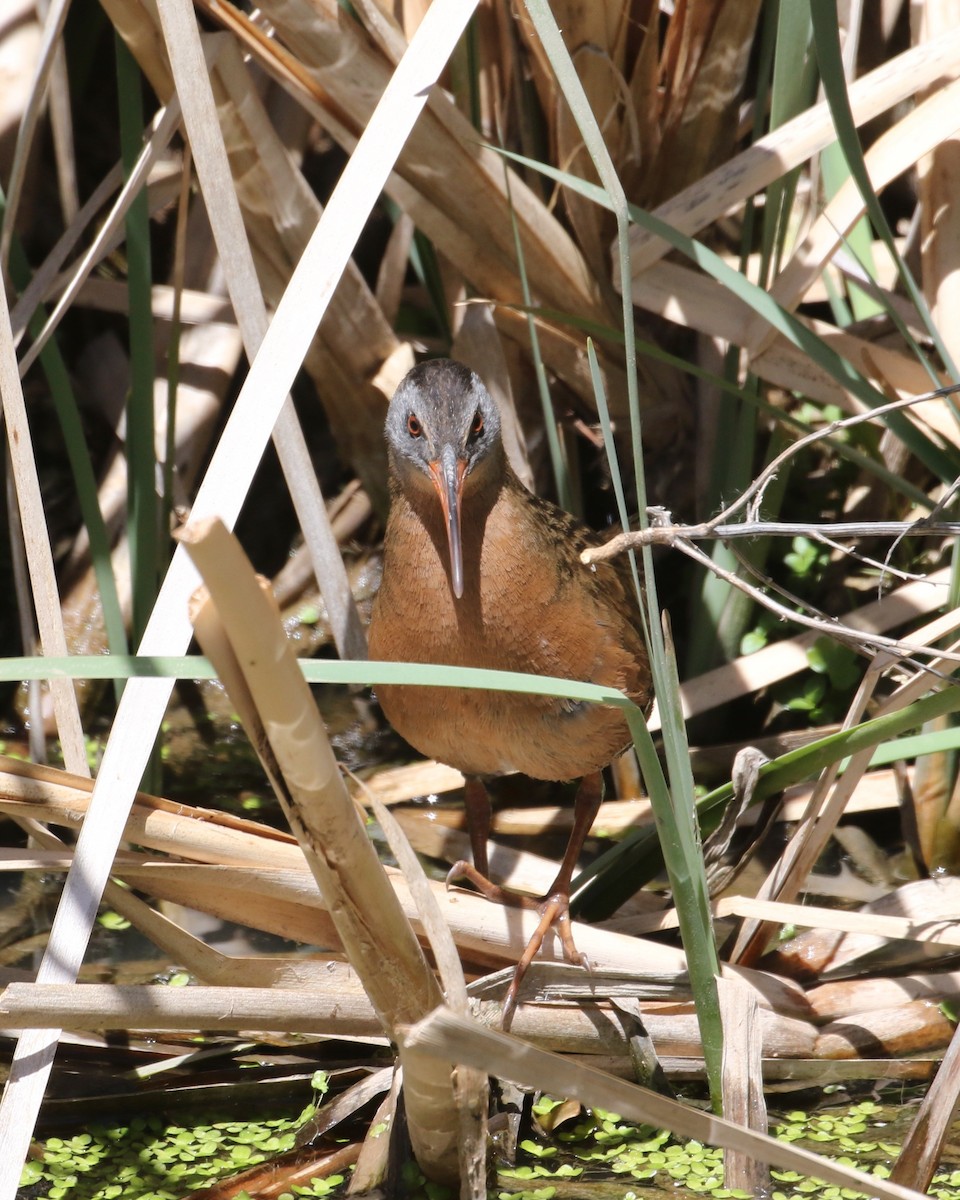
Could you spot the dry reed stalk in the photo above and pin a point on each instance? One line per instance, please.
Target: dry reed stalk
(830, 1001)
(780, 660)
(924, 1144)
(695, 301)
(829, 798)
(245, 864)
(457, 1039)
(581, 1028)
(239, 627)
(280, 210)
(933, 21)
(922, 130)
(743, 1101)
(36, 548)
(792, 144)
(917, 1027)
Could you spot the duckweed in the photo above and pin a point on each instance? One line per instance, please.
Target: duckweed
(153, 1159)
(607, 1145)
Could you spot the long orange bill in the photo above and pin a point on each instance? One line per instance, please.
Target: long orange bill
(448, 471)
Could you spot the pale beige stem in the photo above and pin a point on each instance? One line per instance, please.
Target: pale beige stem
(261, 674)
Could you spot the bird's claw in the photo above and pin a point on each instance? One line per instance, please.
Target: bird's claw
(463, 870)
(553, 912)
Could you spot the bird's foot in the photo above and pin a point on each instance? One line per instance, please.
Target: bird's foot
(554, 913)
(486, 887)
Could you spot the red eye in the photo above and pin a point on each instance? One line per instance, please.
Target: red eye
(477, 427)
(414, 428)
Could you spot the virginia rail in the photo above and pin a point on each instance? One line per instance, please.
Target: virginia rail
(479, 572)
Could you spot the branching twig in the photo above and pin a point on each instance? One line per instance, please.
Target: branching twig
(661, 531)
(625, 541)
(862, 640)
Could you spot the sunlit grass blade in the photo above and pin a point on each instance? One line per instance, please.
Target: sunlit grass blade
(826, 33)
(142, 506)
(943, 462)
(192, 666)
(676, 816)
(638, 859)
(195, 666)
(859, 241)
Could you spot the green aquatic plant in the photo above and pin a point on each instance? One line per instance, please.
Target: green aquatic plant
(152, 1159)
(605, 1145)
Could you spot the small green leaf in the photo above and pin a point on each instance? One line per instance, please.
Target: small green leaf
(808, 699)
(538, 1151)
(753, 641)
(32, 1173)
(838, 662)
(802, 559)
(112, 920)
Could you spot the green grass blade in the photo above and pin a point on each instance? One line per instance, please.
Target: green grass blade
(558, 456)
(637, 858)
(423, 259)
(142, 507)
(71, 427)
(895, 483)
(859, 243)
(613, 461)
(720, 613)
(365, 673)
(792, 90)
(674, 807)
(826, 34)
(944, 463)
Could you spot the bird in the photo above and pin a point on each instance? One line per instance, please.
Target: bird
(478, 571)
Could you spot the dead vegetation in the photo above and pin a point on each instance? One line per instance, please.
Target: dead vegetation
(787, 315)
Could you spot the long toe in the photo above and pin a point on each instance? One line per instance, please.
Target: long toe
(564, 928)
(492, 891)
(554, 913)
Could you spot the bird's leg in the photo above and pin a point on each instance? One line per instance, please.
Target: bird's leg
(477, 804)
(554, 908)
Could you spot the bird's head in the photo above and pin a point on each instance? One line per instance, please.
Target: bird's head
(443, 431)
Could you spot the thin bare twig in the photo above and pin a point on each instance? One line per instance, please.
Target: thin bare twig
(633, 540)
(860, 639)
(661, 533)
